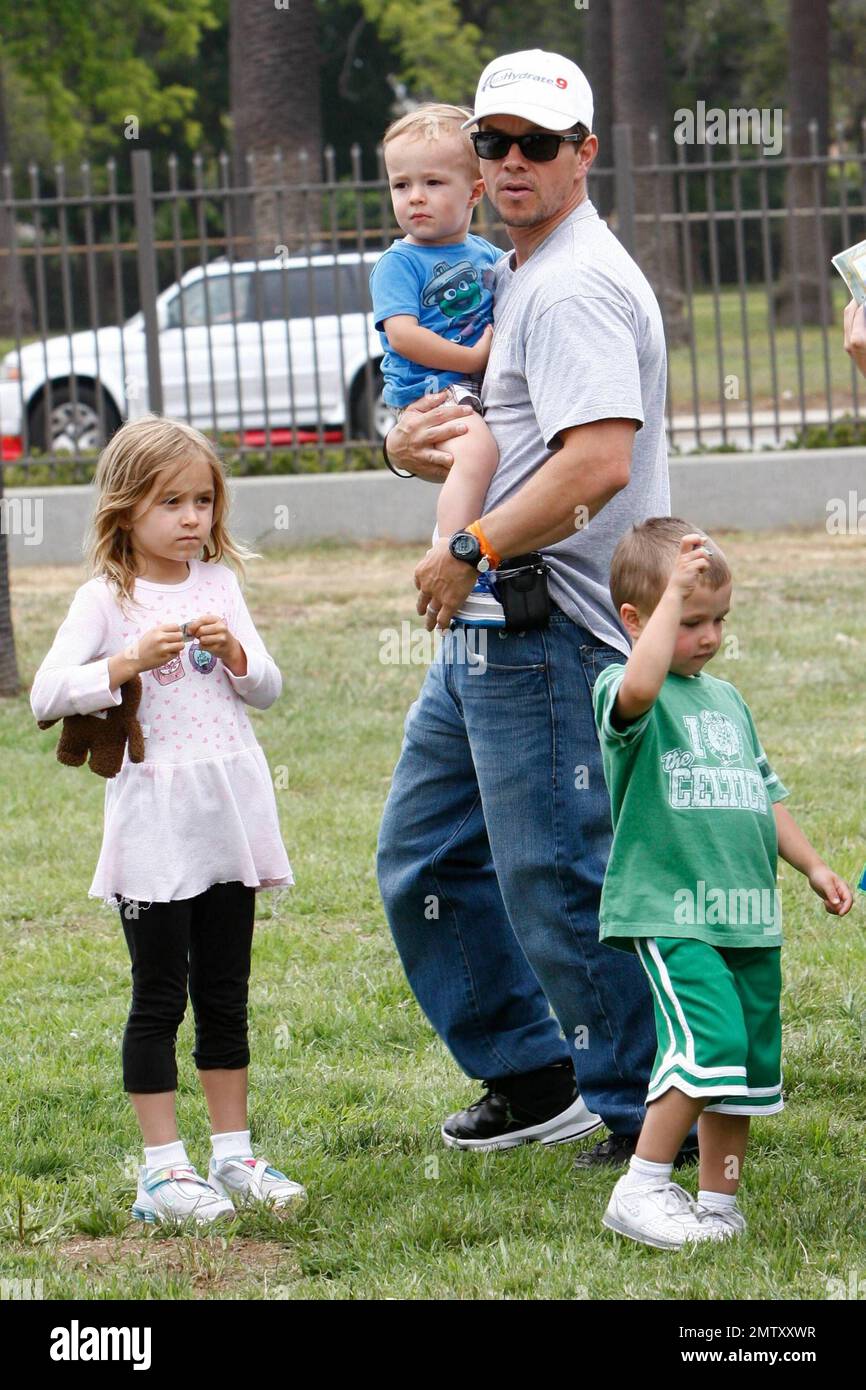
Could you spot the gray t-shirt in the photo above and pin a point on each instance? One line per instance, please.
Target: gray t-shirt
(578, 336)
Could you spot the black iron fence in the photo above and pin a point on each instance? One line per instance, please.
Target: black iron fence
(242, 305)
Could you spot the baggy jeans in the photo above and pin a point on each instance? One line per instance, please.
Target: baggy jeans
(491, 858)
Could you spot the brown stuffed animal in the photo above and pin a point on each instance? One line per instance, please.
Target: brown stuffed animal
(103, 738)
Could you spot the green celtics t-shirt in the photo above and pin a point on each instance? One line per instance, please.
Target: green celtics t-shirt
(691, 790)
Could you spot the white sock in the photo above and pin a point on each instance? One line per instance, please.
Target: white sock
(642, 1172)
(718, 1201)
(165, 1155)
(232, 1144)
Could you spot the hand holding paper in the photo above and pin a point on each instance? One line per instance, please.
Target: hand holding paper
(851, 265)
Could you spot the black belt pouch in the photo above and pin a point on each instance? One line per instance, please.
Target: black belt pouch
(521, 583)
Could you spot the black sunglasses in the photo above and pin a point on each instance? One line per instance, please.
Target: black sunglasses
(539, 147)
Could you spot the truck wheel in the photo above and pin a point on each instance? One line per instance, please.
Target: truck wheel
(71, 421)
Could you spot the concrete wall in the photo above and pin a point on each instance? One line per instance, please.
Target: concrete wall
(721, 491)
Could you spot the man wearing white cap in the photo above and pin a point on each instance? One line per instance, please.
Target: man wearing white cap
(498, 812)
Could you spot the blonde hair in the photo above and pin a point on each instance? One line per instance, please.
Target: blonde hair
(642, 562)
(135, 457)
(430, 122)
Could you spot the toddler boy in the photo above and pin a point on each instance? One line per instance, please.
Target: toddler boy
(691, 881)
(433, 304)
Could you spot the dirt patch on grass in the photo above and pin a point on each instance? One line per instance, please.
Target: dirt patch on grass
(334, 578)
(213, 1264)
(321, 569)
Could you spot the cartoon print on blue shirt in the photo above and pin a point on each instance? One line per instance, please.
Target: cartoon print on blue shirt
(200, 660)
(454, 289)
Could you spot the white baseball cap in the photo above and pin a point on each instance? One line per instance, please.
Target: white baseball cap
(541, 87)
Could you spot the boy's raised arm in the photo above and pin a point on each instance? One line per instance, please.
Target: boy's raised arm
(652, 653)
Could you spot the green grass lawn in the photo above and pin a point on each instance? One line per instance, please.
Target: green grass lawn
(688, 385)
(349, 1084)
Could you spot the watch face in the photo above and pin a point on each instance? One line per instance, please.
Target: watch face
(465, 547)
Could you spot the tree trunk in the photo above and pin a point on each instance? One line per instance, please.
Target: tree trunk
(13, 287)
(10, 683)
(9, 680)
(640, 101)
(805, 274)
(275, 105)
(599, 70)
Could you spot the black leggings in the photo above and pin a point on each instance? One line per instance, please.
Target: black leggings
(202, 943)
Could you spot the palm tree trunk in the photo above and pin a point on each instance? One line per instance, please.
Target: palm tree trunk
(10, 683)
(275, 96)
(9, 680)
(598, 62)
(13, 287)
(640, 101)
(805, 273)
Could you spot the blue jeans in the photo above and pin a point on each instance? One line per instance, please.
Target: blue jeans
(491, 857)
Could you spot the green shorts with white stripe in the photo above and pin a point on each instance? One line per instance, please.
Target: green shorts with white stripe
(717, 1021)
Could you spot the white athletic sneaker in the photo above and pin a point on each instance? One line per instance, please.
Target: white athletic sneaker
(720, 1225)
(660, 1214)
(174, 1194)
(250, 1180)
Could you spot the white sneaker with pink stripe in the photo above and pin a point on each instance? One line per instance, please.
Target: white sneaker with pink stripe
(246, 1180)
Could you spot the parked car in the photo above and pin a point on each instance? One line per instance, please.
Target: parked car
(243, 346)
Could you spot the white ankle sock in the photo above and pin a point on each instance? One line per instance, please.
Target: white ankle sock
(165, 1155)
(642, 1171)
(232, 1144)
(718, 1201)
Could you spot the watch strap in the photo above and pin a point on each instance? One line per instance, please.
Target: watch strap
(486, 548)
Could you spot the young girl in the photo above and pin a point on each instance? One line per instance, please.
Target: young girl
(191, 833)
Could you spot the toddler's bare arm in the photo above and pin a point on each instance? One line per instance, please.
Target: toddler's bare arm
(465, 488)
(426, 348)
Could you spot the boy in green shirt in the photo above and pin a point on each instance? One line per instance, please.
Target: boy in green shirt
(691, 881)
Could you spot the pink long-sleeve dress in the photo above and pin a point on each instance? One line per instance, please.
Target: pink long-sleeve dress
(201, 807)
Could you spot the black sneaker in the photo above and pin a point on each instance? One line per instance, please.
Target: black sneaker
(616, 1150)
(541, 1105)
(612, 1152)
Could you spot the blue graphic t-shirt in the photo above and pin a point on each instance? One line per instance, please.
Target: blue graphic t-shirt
(448, 289)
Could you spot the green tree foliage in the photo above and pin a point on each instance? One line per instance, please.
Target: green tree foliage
(511, 25)
(440, 53)
(87, 67)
